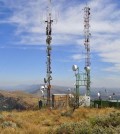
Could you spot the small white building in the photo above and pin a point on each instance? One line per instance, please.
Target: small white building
(84, 101)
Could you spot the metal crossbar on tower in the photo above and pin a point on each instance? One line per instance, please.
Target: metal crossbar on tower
(48, 78)
(87, 47)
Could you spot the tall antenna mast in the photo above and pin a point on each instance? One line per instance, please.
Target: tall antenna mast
(87, 47)
(48, 78)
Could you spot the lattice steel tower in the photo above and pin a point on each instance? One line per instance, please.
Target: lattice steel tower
(48, 78)
(87, 47)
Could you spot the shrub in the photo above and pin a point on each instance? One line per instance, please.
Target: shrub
(8, 124)
(1, 118)
(107, 124)
(67, 114)
(113, 119)
(74, 128)
(98, 130)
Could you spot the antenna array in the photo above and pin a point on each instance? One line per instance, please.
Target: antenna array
(87, 47)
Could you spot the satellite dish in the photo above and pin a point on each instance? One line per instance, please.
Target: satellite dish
(45, 81)
(87, 68)
(50, 77)
(45, 86)
(99, 94)
(74, 67)
(42, 92)
(42, 88)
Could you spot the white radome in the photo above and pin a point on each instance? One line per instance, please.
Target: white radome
(88, 68)
(42, 87)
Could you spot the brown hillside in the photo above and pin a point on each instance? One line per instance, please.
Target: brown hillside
(17, 100)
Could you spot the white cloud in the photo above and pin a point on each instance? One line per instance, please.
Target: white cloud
(109, 82)
(77, 57)
(105, 26)
(115, 68)
(111, 57)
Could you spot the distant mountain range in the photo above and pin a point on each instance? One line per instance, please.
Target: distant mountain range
(20, 87)
(35, 89)
(26, 96)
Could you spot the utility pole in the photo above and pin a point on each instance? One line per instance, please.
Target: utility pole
(87, 47)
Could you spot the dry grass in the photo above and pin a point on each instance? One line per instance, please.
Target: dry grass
(25, 97)
(40, 121)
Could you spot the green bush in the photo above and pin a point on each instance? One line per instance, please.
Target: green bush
(1, 118)
(74, 128)
(107, 124)
(8, 121)
(113, 119)
(8, 124)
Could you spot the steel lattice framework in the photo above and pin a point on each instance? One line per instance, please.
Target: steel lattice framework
(87, 46)
(48, 78)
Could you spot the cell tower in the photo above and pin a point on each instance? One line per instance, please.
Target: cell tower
(87, 47)
(48, 78)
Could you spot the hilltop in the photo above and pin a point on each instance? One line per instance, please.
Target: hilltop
(17, 100)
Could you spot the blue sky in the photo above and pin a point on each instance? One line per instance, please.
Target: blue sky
(23, 48)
